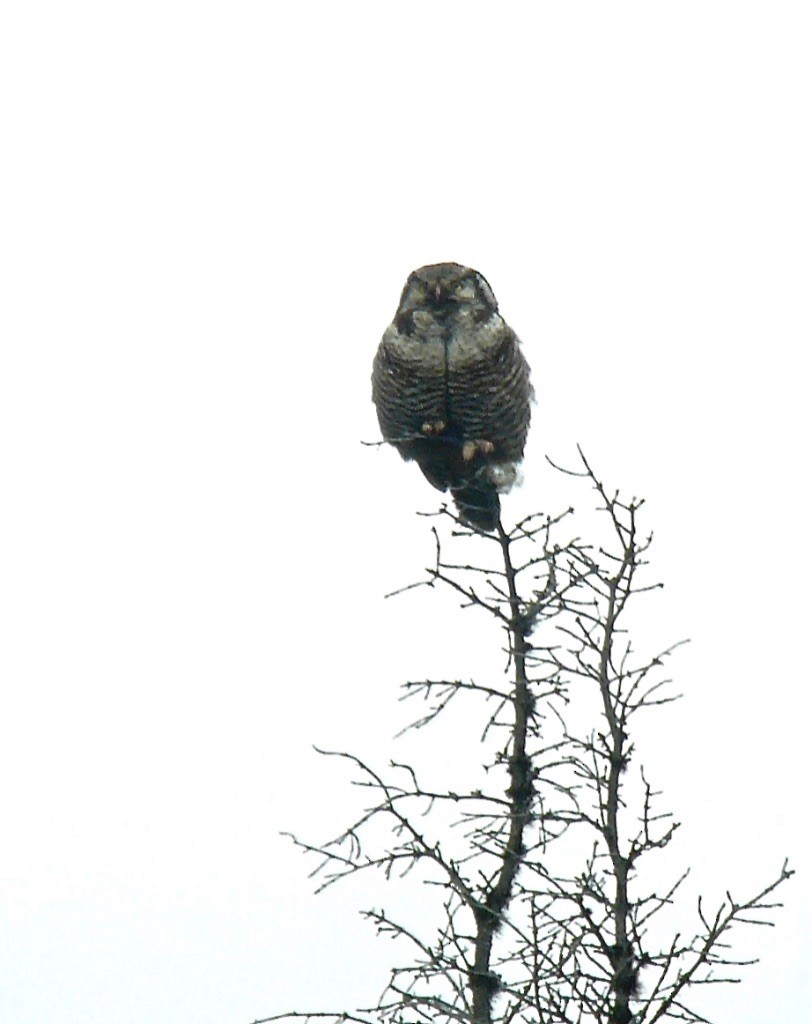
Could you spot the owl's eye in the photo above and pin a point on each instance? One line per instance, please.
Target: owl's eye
(465, 293)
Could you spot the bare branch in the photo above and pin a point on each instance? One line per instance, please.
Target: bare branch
(538, 868)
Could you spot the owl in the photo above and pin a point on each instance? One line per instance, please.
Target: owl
(452, 389)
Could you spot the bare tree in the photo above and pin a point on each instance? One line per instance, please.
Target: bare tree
(541, 914)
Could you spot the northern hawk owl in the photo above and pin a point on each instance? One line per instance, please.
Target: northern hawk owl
(452, 388)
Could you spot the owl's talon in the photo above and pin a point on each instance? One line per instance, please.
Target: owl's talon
(472, 448)
(433, 428)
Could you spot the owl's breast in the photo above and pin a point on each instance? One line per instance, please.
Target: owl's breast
(489, 388)
(409, 384)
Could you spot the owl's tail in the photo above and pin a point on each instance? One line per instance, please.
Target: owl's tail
(478, 504)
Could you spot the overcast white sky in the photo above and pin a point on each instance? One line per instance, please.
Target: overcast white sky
(208, 213)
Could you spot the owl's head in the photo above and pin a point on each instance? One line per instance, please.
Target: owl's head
(444, 292)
